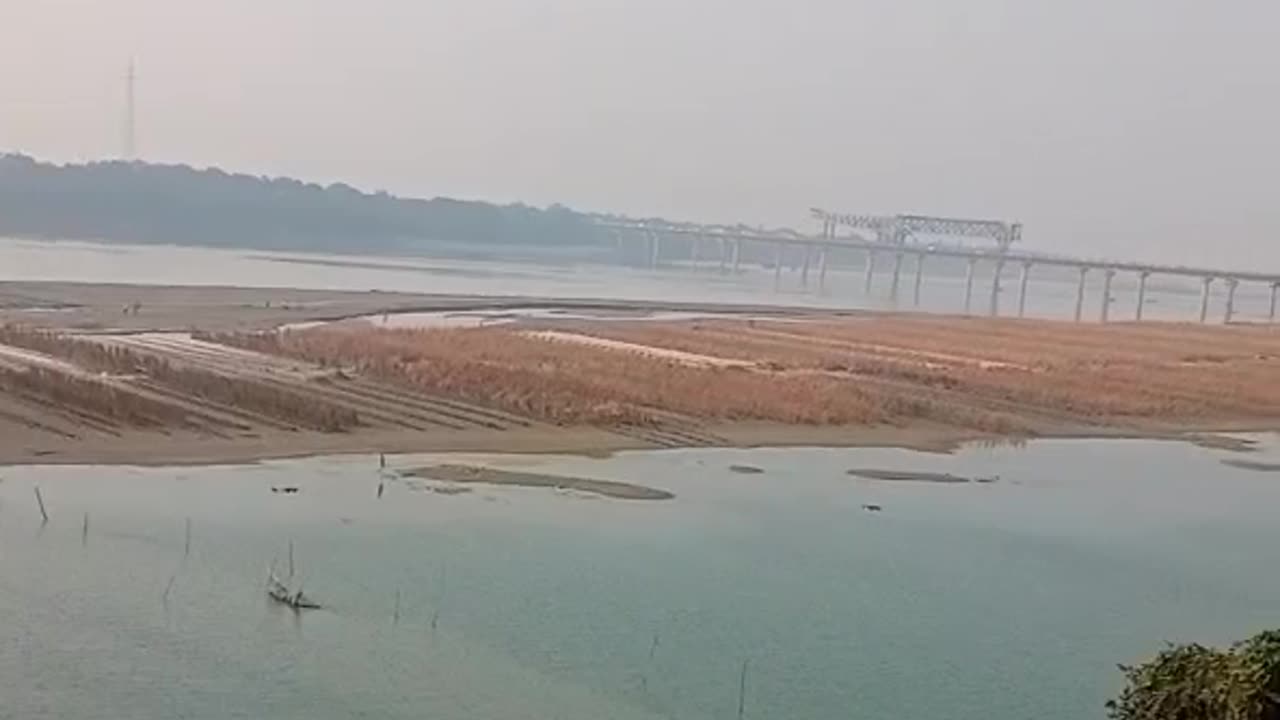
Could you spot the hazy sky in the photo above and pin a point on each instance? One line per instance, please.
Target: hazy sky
(1144, 128)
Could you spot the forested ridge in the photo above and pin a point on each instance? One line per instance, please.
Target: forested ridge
(140, 202)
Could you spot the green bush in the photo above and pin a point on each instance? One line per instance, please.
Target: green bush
(1193, 682)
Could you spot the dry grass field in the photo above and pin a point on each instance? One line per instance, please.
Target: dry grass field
(599, 384)
(996, 376)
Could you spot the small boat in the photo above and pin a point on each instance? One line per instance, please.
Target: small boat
(280, 592)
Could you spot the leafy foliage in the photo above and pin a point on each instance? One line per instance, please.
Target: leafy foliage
(1194, 682)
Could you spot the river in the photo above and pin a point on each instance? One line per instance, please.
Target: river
(999, 601)
(1050, 295)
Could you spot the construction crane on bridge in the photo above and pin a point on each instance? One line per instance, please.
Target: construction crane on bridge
(899, 229)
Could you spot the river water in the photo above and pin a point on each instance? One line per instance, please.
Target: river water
(999, 601)
(1051, 295)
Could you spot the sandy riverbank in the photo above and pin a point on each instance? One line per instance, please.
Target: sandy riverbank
(108, 386)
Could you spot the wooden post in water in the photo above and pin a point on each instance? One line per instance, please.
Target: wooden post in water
(742, 690)
(84, 531)
(186, 545)
(40, 501)
(395, 615)
(164, 596)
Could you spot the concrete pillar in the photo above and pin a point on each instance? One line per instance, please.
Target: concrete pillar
(1105, 313)
(1274, 288)
(968, 286)
(1204, 298)
(655, 249)
(1230, 311)
(737, 255)
(871, 270)
(777, 267)
(1022, 289)
(919, 277)
(995, 288)
(696, 253)
(804, 267)
(1142, 294)
(822, 269)
(1084, 271)
(897, 277)
(724, 256)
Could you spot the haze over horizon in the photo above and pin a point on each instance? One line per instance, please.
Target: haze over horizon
(1135, 128)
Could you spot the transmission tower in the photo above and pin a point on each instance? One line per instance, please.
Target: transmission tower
(130, 117)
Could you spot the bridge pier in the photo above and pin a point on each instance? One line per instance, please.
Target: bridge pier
(1204, 298)
(655, 249)
(995, 288)
(1230, 310)
(777, 268)
(696, 252)
(1022, 288)
(1274, 288)
(968, 286)
(871, 269)
(919, 277)
(804, 267)
(1084, 272)
(822, 269)
(1142, 294)
(897, 278)
(1105, 313)
(724, 256)
(737, 256)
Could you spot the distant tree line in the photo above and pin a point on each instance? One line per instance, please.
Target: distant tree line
(145, 203)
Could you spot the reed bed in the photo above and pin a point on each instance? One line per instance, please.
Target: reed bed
(261, 397)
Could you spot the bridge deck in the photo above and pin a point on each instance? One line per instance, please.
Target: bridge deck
(961, 252)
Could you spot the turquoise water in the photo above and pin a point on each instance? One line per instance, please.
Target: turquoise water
(1002, 601)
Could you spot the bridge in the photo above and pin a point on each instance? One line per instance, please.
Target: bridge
(899, 237)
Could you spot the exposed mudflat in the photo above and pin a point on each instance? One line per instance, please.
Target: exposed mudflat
(1252, 465)
(474, 474)
(909, 476)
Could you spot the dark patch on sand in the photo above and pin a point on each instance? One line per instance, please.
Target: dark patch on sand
(471, 474)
